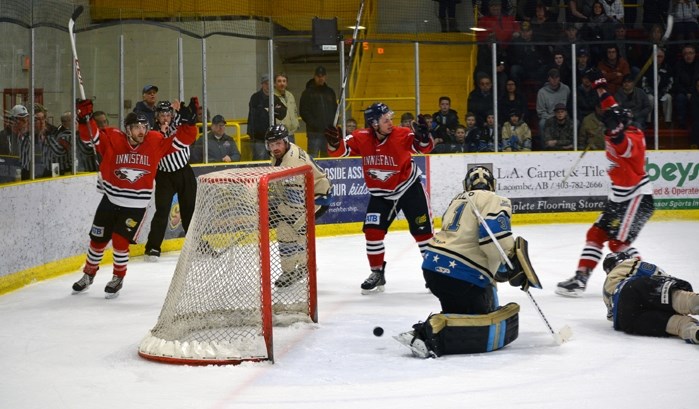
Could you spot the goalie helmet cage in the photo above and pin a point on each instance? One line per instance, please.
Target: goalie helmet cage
(250, 226)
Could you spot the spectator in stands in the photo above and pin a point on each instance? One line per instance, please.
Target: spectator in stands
(558, 132)
(406, 119)
(694, 109)
(665, 81)
(686, 74)
(480, 100)
(221, 147)
(486, 143)
(586, 96)
(473, 133)
(101, 119)
(592, 130)
(599, 27)
(503, 27)
(512, 99)
(571, 35)
(655, 12)
(147, 104)
(614, 9)
(583, 64)
(318, 107)
(429, 122)
(291, 119)
(43, 153)
(527, 60)
(516, 135)
(561, 64)
(447, 15)
(685, 13)
(542, 24)
(457, 146)
(444, 121)
(627, 50)
(613, 68)
(633, 98)
(351, 126)
(578, 11)
(258, 118)
(549, 96)
(18, 127)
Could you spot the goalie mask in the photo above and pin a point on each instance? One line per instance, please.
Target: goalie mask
(479, 178)
(614, 259)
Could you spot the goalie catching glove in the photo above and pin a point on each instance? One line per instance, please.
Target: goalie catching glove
(83, 108)
(522, 273)
(420, 129)
(332, 135)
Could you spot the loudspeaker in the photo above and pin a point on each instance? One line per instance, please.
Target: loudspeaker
(324, 34)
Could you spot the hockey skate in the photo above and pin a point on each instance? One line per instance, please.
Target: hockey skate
(83, 284)
(375, 282)
(152, 256)
(416, 345)
(288, 278)
(111, 290)
(575, 286)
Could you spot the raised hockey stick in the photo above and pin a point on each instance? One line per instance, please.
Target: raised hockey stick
(575, 165)
(565, 333)
(666, 35)
(71, 26)
(353, 47)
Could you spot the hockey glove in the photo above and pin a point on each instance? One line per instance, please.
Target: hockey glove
(188, 114)
(332, 135)
(420, 129)
(597, 79)
(83, 108)
(515, 275)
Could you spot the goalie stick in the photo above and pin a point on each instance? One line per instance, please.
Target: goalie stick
(349, 64)
(565, 333)
(71, 27)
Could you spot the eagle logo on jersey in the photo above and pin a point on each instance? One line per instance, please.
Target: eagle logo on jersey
(132, 175)
(382, 175)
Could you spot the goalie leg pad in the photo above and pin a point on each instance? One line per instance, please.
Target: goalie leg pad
(522, 253)
(446, 334)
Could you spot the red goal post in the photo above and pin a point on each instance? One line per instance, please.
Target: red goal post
(252, 229)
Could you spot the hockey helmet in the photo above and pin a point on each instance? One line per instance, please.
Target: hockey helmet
(479, 178)
(133, 118)
(614, 259)
(163, 106)
(374, 113)
(616, 119)
(275, 133)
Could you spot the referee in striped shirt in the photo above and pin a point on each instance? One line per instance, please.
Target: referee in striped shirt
(175, 176)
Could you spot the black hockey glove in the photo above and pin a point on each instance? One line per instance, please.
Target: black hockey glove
(515, 275)
(332, 135)
(597, 79)
(188, 114)
(420, 129)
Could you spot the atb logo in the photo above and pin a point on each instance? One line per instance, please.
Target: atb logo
(373, 218)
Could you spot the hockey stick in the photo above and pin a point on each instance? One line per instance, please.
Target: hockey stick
(349, 63)
(666, 35)
(575, 165)
(565, 333)
(71, 26)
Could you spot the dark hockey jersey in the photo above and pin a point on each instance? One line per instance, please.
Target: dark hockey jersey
(388, 166)
(128, 172)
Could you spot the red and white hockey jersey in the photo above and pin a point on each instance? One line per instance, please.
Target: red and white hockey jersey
(389, 169)
(128, 172)
(628, 166)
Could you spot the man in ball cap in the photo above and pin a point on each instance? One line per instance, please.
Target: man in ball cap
(147, 105)
(317, 107)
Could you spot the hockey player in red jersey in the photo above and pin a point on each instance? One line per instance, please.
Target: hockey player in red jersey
(630, 201)
(128, 168)
(393, 181)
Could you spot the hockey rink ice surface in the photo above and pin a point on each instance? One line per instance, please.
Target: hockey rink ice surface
(80, 351)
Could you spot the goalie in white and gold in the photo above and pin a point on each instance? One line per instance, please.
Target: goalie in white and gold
(291, 230)
(461, 267)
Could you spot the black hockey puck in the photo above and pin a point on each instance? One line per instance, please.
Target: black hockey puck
(378, 331)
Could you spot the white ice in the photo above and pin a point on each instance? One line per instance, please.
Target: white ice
(59, 350)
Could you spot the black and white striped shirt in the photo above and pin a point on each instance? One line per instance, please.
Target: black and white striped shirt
(178, 159)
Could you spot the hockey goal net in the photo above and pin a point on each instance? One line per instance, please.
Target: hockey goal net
(247, 263)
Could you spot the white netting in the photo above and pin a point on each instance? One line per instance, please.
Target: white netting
(214, 308)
